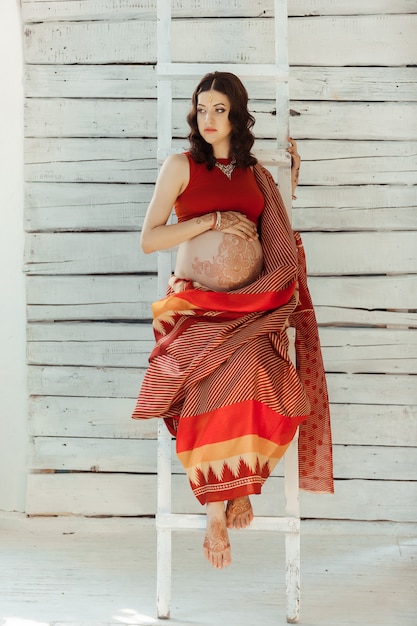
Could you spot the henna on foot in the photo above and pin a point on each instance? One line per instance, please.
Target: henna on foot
(216, 542)
(239, 512)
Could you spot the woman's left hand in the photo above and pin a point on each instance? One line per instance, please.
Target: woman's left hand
(295, 164)
(293, 152)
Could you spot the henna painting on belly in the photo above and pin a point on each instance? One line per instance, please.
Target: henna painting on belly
(236, 262)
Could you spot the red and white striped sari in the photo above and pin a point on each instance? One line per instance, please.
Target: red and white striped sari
(221, 377)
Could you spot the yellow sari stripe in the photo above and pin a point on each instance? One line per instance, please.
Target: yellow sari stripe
(231, 448)
(171, 303)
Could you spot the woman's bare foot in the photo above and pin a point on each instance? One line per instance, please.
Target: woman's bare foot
(216, 542)
(239, 513)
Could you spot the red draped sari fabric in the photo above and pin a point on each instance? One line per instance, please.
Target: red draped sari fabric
(221, 377)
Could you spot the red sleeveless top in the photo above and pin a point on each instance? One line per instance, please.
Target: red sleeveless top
(211, 190)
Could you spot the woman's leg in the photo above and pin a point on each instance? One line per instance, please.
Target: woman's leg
(216, 542)
(239, 513)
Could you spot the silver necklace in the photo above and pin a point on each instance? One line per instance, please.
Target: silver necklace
(226, 169)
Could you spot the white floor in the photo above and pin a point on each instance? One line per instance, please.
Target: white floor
(71, 571)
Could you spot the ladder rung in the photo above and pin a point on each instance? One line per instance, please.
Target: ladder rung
(273, 157)
(265, 157)
(256, 71)
(178, 521)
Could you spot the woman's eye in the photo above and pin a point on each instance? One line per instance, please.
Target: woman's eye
(221, 110)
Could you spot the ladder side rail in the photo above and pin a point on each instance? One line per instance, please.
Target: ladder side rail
(282, 98)
(164, 453)
(291, 478)
(292, 511)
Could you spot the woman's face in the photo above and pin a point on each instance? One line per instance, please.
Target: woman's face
(213, 108)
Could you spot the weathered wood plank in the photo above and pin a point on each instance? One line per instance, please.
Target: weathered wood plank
(67, 117)
(346, 350)
(391, 171)
(97, 455)
(45, 149)
(105, 160)
(347, 299)
(114, 345)
(140, 456)
(42, 150)
(347, 219)
(372, 389)
(354, 196)
(361, 254)
(365, 84)
(66, 10)
(349, 7)
(55, 161)
(320, 150)
(96, 81)
(353, 120)
(353, 424)
(369, 501)
(334, 41)
(60, 494)
(87, 253)
(119, 494)
(367, 292)
(89, 208)
(373, 350)
(90, 297)
(343, 316)
(54, 10)
(358, 162)
(103, 382)
(116, 253)
(118, 382)
(374, 425)
(116, 160)
(343, 40)
(87, 332)
(132, 41)
(89, 417)
(75, 207)
(58, 10)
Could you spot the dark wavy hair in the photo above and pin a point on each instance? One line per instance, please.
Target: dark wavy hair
(242, 138)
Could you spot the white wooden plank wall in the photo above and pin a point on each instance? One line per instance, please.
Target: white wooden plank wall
(90, 166)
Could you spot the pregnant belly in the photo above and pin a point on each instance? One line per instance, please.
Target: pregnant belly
(219, 261)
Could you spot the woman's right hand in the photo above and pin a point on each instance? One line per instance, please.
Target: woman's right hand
(235, 223)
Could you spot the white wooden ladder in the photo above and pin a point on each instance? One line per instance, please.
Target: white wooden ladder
(166, 521)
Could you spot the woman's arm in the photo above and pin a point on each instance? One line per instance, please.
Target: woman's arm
(158, 235)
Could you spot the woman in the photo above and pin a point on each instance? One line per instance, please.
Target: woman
(220, 374)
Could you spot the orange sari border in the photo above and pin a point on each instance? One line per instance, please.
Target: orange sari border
(234, 421)
(196, 299)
